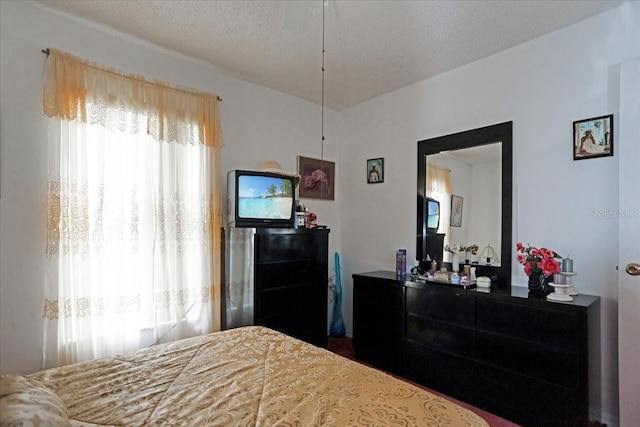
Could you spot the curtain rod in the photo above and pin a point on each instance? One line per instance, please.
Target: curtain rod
(46, 52)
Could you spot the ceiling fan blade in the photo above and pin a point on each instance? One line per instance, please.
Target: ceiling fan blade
(297, 15)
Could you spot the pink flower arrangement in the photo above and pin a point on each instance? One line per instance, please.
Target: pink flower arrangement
(537, 260)
(317, 176)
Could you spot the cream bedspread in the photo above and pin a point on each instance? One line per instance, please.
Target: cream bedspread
(249, 376)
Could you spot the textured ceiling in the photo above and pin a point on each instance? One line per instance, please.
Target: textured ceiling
(371, 47)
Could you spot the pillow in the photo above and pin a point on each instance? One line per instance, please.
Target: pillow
(27, 402)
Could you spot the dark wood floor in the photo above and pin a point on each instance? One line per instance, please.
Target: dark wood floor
(341, 346)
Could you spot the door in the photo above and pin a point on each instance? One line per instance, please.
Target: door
(629, 250)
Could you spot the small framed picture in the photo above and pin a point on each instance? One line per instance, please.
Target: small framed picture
(593, 137)
(375, 171)
(456, 211)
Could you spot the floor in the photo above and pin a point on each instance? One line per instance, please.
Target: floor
(341, 346)
(344, 347)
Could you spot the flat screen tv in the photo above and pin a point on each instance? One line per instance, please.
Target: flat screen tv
(433, 214)
(260, 199)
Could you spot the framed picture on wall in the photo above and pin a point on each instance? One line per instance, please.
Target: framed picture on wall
(593, 137)
(375, 170)
(456, 211)
(317, 178)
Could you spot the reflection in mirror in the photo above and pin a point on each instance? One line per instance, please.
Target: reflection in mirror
(471, 173)
(466, 184)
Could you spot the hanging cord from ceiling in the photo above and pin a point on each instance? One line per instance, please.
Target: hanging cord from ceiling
(322, 187)
(324, 4)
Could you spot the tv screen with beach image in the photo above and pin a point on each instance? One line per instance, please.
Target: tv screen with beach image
(264, 197)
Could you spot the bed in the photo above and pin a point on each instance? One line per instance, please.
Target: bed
(250, 376)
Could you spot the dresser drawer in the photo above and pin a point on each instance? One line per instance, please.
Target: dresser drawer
(289, 273)
(526, 400)
(545, 326)
(441, 335)
(444, 372)
(285, 247)
(552, 364)
(442, 305)
(369, 323)
(286, 300)
(378, 295)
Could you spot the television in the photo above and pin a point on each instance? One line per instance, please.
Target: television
(433, 214)
(260, 199)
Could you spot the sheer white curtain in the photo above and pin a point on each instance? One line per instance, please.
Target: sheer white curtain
(131, 241)
(439, 188)
(239, 280)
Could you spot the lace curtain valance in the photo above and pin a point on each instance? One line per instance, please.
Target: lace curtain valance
(75, 89)
(438, 179)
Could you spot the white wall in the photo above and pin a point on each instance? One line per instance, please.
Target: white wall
(483, 223)
(542, 86)
(258, 124)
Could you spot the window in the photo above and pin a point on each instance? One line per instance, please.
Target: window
(132, 213)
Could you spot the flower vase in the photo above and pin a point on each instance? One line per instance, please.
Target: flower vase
(455, 262)
(539, 284)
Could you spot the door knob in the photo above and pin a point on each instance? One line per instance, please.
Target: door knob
(633, 269)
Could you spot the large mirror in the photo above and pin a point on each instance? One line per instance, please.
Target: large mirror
(464, 199)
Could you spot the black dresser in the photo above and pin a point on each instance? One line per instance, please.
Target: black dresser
(522, 358)
(290, 282)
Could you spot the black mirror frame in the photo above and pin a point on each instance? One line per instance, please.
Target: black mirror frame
(502, 132)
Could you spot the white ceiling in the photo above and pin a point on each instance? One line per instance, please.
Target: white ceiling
(371, 47)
